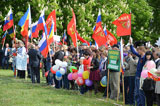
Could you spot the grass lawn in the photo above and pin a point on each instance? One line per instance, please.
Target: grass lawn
(21, 92)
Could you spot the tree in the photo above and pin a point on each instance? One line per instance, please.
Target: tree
(86, 12)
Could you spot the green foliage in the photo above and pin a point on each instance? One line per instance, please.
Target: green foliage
(144, 22)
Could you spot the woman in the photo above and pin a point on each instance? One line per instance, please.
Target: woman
(147, 84)
(94, 70)
(21, 60)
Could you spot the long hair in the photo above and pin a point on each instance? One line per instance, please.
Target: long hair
(149, 53)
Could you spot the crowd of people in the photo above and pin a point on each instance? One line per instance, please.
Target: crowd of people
(138, 90)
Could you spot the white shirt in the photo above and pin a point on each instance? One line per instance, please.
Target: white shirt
(6, 51)
(157, 60)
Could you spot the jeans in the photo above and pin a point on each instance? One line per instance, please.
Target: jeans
(5, 61)
(139, 94)
(50, 78)
(57, 83)
(65, 82)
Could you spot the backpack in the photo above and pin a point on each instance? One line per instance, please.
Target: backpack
(148, 85)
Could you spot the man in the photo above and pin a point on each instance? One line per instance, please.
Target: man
(82, 49)
(129, 79)
(6, 52)
(34, 61)
(58, 55)
(114, 76)
(156, 54)
(140, 53)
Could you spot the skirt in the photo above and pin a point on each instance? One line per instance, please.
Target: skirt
(95, 75)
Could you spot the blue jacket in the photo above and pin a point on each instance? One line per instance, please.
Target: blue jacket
(141, 61)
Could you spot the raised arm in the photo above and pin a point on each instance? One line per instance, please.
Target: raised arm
(134, 51)
(132, 48)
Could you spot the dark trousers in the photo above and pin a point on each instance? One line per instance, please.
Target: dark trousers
(158, 99)
(21, 73)
(29, 70)
(149, 97)
(65, 82)
(131, 90)
(83, 89)
(126, 88)
(57, 83)
(5, 62)
(35, 76)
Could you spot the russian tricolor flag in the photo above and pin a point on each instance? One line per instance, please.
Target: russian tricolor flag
(43, 46)
(105, 31)
(40, 25)
(34, 31)
(8, 23)
(98, 19)
(64, 38)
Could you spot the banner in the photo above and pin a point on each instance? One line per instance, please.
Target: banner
(114, 60)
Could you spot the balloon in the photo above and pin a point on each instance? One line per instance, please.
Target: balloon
(73, 68)
(64, 64)
(85, 75)
(104, 81)
(144, 74)
(150, 65)
(79, 74)
(74, 76)
(55, 67)
(53, 71)
(80, 81)
(58, 62)
(58, 74)
(62, 71)
(102, 85)
(46, 73)
(70, 76)
(88, 82)
(58, 78)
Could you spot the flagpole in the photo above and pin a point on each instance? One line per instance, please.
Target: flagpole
(30, 22)
(14, 30)
(77, 48)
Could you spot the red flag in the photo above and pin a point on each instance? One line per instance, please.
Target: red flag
(51, 16)
(155, 78)
(111, 40)
(123, 24)
(99, 35)
(71, 29)
(81, 39)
